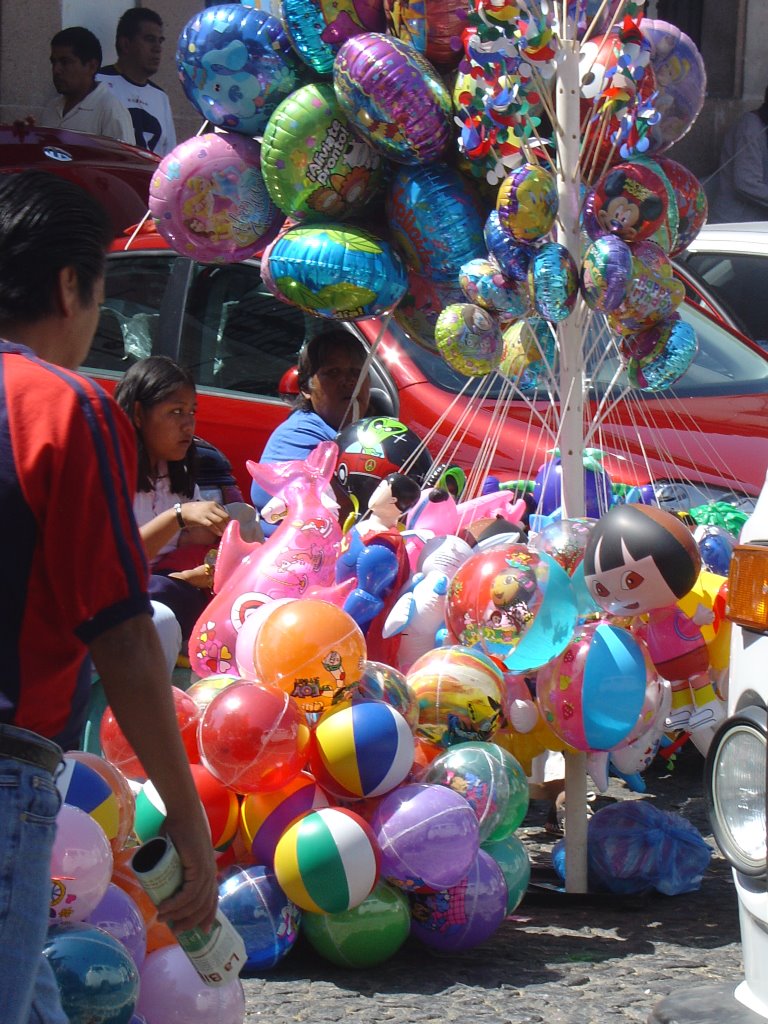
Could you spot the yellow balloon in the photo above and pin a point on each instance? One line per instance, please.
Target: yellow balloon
(526, 746)
(717, 635)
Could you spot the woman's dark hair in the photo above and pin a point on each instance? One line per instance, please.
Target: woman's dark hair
(314, 353)
(47, 224)
(148, 382)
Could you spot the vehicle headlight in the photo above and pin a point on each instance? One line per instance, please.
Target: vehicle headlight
(735, 785)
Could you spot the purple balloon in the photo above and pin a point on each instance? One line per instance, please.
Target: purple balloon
(426, 837)
(548, 490)
(118, 914)
(466, 914)
(172, 992)
(394, 97)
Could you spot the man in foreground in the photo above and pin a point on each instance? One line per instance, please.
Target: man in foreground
(75, 577)
(139, 44)
(83, 104)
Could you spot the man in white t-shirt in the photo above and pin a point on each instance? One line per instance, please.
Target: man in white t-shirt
(139, 44)
(82, 103)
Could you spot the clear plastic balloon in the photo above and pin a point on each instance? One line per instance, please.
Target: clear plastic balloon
(172, 992)
(81, 865)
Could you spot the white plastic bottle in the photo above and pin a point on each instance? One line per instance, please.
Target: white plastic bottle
(218, 955)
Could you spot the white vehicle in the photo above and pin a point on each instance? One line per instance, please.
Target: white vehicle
(735, 787)
(731, 262)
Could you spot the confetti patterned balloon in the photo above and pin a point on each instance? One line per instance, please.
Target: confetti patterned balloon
(469, 339)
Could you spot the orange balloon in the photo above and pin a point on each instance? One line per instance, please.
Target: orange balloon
(126, 802)
(158, 934)
(312, 649)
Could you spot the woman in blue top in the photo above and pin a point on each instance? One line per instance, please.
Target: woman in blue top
(329, 367)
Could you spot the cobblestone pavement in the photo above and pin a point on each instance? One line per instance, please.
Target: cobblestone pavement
(561, 959)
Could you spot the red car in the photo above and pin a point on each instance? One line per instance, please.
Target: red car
(706, 438)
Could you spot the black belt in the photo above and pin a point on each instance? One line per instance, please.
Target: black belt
(26, 746)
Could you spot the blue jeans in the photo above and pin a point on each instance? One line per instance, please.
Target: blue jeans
(29, 802)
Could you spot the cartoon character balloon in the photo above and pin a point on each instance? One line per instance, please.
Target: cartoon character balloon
(640, 561)
(209, 201)
(527, 202)
(313, 165)
(394, 97)
(681, 81)
(236, 64)
(317, 29)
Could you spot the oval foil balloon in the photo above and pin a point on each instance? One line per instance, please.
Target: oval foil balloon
(659, 357)
(631, 201)
(690, 199)
(313, 165)
(317, 30)
(529, 351)
(605, 273)
(394, 97)
(527, 202)
(512, 255)
(653, 294)
(469, 339)
(433, 27)
(209, 201)
(435, 219)
(554, 281)
(484, 284)
(681, 81)
(334, 271)
(236, 64)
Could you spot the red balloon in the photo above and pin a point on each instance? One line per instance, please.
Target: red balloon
(118, 750)
(253, 737)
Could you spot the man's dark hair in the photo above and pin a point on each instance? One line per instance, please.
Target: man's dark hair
(148, 382)
(314, 354)
(130, 23)
(82, 42)
(46, 224)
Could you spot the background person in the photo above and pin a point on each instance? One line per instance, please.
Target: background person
(177, 527)
(329, 367)
(83, 104)
(75, 577)
(139, 44)
(742, 180)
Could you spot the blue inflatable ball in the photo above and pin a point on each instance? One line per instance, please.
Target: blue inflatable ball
(97, 978)
(335, 271)
(436, 220)
(235, 65)
(259, 910)
(512, 255)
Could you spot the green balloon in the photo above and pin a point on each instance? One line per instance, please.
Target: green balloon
(519, 796)
(315, 168)
(512, 858)
(364, 936)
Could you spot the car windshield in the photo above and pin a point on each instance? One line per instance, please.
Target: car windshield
(722, 365)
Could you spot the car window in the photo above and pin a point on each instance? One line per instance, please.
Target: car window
(129, 318)
(738, 281)
(236, 335)
(723, 365)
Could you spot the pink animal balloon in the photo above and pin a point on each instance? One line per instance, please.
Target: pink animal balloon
(299, 557)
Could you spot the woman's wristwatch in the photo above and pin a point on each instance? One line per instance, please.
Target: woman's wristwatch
(179, 516)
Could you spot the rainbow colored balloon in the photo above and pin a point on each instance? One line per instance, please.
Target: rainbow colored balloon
(265, 816)
(334, 271)
(394, 97)
(313, 165)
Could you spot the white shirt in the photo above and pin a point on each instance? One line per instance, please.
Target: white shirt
(149, 504)
(149, 108)
(99, 113)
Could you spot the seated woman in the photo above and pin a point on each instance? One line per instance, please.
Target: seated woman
(177, 527)
(331, 395)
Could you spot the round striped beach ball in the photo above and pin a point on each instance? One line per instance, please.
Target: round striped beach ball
(265, 816)
(219, 802)
(81, 786)
(360, 750)
(327, 861)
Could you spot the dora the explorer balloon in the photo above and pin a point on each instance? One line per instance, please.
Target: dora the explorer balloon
(640, 561)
